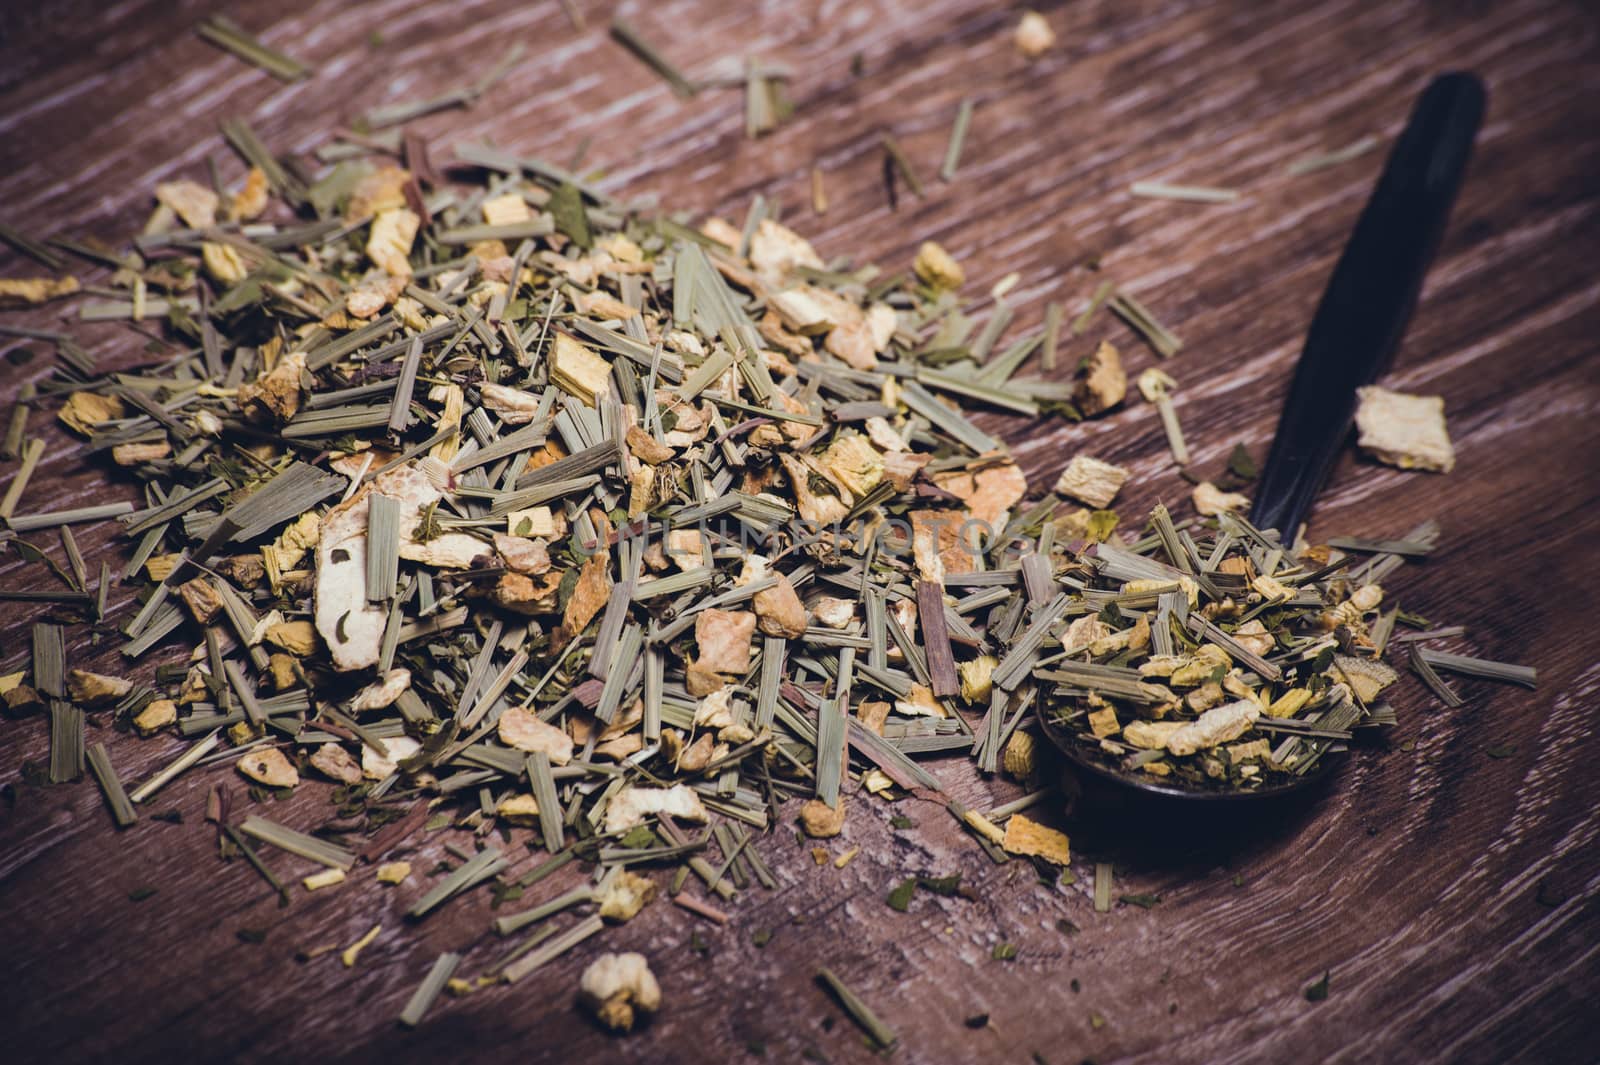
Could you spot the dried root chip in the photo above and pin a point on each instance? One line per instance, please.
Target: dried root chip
(1211, 500)
(521, 555)
(625, 895)
(1030, 838)
(695, 757)
(537, 522)
(1240, 752)
(1104, 723)
(1102, 382)
(521, 810)
(779, 611)
(631, 806)
(723, 638)
(521, 729)
(393, 872)
(920, 701)
(375, 766)
(139, 454)
(95, 689)
(389, 240)
(989, 491)
(937, 268)
(1404, 430)
(383, 692)
(1216, 726)
(512, 405)
(873, 714)
(87, 411)
(716, 709)
(350, 626)
(191, 201)
(506, 209)
(1034, 37)
(270, 767)
(578, 371)
(977, 678)
(1020, 759)
(589, 595)
(202, 599)
(1091, 481)
(852, 342)
(247, 204)
(618, 989)
(276, 393)
(283, 670)
(647, 448)
(821, 821)
(299, 638)
(775, 250)
(157, 715)
(1367, 677)
(1150, 735)
(336, 763)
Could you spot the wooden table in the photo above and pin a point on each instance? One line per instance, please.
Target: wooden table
(1448, 883)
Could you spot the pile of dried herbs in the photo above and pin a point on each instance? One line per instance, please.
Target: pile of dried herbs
(504, 506)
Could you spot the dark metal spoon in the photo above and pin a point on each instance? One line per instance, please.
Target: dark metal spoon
(1358, 325)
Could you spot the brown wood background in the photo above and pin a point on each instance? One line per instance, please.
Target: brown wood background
(1453, 895)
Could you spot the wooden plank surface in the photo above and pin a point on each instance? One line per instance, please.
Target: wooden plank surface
(1453, 894)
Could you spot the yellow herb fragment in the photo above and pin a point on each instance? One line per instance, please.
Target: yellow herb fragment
(1027, 837)
(938, 268)
(1034, 37)
(393, 872)
(353, 951)
(32, 291)
(326, 878)
(578, 370)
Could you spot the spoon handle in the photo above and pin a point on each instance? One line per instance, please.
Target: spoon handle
(1370, 297)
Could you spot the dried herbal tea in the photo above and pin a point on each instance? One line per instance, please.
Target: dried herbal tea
(506, 509)
(1213, 658)
(581, 542)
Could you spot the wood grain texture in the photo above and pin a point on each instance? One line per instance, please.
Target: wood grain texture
(1453, 896)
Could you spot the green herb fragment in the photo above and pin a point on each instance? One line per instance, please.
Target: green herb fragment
(122, 810)
(897, 161)
(1138, 318)
(1319, 161)
(139, 894)
(230, 37)
(1318, 991)
(1187, 193)
(1467, 666)
(882, 1035)
(423, 998)
(1241, 464)
(630, 39)
(1144, 902)
(298, 843)
(958, 140)
(1003, 952)
(1102, 887)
